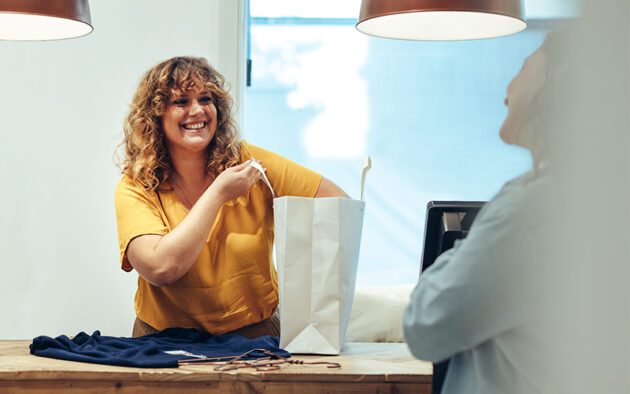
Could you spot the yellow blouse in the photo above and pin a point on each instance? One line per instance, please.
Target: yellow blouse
(233, 283)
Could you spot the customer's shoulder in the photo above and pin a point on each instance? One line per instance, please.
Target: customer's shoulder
(522, 196)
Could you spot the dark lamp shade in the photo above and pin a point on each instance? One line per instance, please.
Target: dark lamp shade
(32, 20)
(441, 20)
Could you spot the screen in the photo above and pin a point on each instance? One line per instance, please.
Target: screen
(447, 221)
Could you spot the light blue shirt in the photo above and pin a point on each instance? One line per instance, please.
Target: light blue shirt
(478, 303)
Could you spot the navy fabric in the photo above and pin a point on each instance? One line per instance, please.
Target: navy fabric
(148, 351)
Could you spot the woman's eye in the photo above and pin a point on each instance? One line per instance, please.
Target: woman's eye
(205, 100)
(180, 102)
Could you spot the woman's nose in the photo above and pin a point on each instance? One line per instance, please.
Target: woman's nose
(195, 107)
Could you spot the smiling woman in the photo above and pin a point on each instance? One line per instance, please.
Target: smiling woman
(193, 219)
(164, 93)
(190, 121)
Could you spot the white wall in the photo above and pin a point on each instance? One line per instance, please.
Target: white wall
(61, 109)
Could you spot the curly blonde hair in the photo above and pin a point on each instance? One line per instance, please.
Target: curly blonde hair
(147, 160)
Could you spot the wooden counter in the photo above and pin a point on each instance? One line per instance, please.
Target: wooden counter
(365, 368)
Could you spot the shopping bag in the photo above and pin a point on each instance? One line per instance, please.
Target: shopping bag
(317, 244)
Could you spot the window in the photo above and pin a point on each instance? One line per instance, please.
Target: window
(428, 114)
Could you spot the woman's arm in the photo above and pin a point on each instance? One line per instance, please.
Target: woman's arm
(328, 189)
(163, 259)
(481, 288)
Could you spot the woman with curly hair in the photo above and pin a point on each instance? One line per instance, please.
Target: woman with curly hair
(193, 219)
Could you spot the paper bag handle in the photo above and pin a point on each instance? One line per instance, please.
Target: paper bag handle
(366, 167)
(257, 166)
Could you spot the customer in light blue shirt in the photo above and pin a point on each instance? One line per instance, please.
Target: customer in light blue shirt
(480, 303)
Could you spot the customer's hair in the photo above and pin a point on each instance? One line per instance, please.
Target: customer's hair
(146, 158)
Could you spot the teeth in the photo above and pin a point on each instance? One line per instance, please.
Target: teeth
(194, 126)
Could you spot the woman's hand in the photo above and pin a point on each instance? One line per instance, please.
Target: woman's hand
(235, 181)
(163, 259)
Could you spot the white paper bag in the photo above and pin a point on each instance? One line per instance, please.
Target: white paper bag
(317, 249)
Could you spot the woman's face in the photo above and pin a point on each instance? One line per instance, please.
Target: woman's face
(521, 92)
(190, 121)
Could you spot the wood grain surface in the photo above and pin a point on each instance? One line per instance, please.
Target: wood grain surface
(365, 368)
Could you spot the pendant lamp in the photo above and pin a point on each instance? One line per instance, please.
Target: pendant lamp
(26, 20)
(441, 20)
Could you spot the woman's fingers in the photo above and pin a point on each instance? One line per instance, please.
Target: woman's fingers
(250, 174)
(241, 166)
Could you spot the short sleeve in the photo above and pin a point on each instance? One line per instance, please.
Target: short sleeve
(286, 177)
(138, 213)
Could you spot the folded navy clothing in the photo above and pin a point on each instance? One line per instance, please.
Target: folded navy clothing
(149, 351)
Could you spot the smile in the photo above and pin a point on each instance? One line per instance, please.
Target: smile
(194, 126)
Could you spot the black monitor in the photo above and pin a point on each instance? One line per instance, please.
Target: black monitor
(447, 221)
